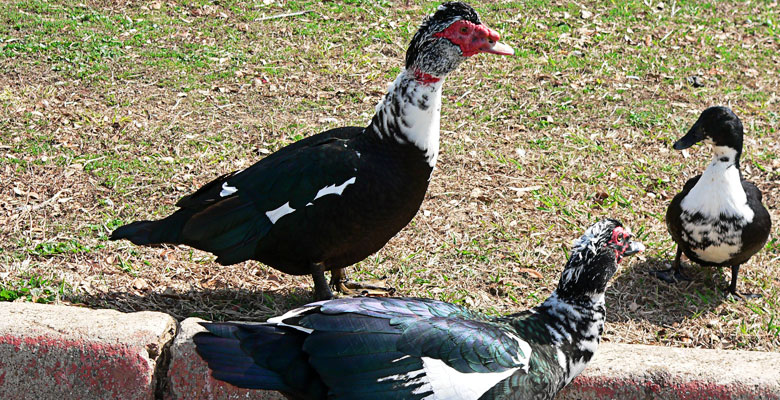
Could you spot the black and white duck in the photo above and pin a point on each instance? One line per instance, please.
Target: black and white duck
(718, 218)
(332, 199)
(408, 348)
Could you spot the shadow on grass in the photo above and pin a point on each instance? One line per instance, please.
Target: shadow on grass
(209, 304)
(636, 295)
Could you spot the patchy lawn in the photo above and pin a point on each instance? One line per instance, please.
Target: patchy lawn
(109, 113)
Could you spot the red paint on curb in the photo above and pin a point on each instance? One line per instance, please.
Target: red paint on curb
(83, 368)
(189, 377)
(662, 387)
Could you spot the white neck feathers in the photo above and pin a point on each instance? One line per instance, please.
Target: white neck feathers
(410, 113)
(719, 191)
(567, 319)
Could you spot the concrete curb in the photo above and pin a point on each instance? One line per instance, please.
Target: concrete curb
(632, 371)
(189, 376)
(58, 352)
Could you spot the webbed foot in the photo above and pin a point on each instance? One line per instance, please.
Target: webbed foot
(670, 275)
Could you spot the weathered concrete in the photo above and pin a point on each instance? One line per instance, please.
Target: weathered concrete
(59, 352)
(617, 372)
(189, 376)
(639, 372)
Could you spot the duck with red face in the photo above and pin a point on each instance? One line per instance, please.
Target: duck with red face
(422, 349)
(332, 199)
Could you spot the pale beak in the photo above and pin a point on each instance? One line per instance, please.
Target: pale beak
(633, 248)
(499, 48)
(490, 44)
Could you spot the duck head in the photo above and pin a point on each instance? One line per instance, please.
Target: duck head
(721, 128)
(452, 34)
(594, 259)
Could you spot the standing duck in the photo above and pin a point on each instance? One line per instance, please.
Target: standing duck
(718, 219)
(334, 198)
(407, 348)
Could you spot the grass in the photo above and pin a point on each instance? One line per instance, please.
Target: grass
(35, 289)
(109, 113)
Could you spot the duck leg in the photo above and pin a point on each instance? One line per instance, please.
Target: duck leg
(339, 280)
(733, 287)
(673, 274)
(321, 288)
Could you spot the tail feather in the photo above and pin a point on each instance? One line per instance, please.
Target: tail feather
(259, 356)
(167, 230)
(229, 229)
(229, 363)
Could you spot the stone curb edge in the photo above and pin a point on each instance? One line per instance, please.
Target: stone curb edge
(66, 352)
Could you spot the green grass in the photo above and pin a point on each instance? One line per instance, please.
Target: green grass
(57, 248)
(35, 289)
(111, 112)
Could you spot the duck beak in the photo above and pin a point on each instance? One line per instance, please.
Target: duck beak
(486, 40)
(694, 135)
(633, 248)
(497, 48)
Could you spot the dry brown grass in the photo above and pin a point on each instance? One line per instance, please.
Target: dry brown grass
(576, 127)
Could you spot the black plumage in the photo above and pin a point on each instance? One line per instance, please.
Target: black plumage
(333, 199)
(718, 218)
(407, 348)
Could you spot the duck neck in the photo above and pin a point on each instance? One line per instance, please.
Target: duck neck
(575, 326)
(586, 309)
(725, 157)
(410, 113)
(723, 172)
(719, 191)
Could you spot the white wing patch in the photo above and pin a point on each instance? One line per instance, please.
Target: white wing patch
(227, 190)
(285, 208)
(525, 350)
(410, 378)
(446, 382)
(333, 189)
(449, 383)
(280, 212)
(294, 313)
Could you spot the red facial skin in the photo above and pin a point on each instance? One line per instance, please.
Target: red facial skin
(471, 38)
(618, 235)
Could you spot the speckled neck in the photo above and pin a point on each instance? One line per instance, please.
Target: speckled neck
(410, 113)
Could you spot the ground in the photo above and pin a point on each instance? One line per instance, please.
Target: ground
(110, 112)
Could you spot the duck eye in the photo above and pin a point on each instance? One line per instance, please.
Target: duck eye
(464, 29)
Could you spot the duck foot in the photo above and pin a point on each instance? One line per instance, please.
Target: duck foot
(339, 280)
(732, 289)
(352, 288)
(670, 275)
(736, 296)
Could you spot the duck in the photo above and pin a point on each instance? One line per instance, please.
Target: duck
(334, 198)
(414, 348)
(718, 219)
